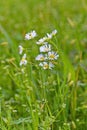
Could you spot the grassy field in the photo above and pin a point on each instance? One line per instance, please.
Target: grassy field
(32, 98)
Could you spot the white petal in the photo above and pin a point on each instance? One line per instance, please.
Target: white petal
(54, 32)
(49, 36)
(25, 62)
(21, 63)
(40, 57)
(40, 64)
(27, 36)
(51, 65)
(24, 56)
(20, 49)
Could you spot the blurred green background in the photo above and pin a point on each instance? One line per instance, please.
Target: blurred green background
(69, 17)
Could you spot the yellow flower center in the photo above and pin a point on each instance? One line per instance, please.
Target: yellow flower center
(52, 56)
(42, 58)
(31, 35)
(46, 66)
(23, 59)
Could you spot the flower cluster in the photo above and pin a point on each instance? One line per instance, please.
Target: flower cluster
(23, 59)
(28, 36)
(47, 37)
(47, 55)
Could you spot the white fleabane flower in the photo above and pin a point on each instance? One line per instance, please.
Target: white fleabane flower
(51, 65)
(30, 35)
(41, 41)
(41, 57)
(54, 32)
(52, 55)
(47, 55)
(23, 60)
(20, 49)
(45, 48)
(49, 36)
(46, 65)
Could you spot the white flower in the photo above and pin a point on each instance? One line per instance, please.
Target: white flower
(54, 32)
(51, 65)
(23, 60)
(46, 65)
(41, 57)
(49, 36)
(20, 49)
(41, 41)
(52, 55)
(30, 35)
(45, 48)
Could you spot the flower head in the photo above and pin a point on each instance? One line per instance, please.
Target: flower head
(52, 55)
(45, 48)
(51, 65)
(46, 65)
(41, 57)
(20, 49)
(41, 41)
(54, 32)
(23, 60)
(49, 36)
(30, 35)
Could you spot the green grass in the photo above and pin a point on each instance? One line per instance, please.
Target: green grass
(43, 99)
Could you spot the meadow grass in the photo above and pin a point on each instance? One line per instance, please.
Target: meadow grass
(43, 99)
